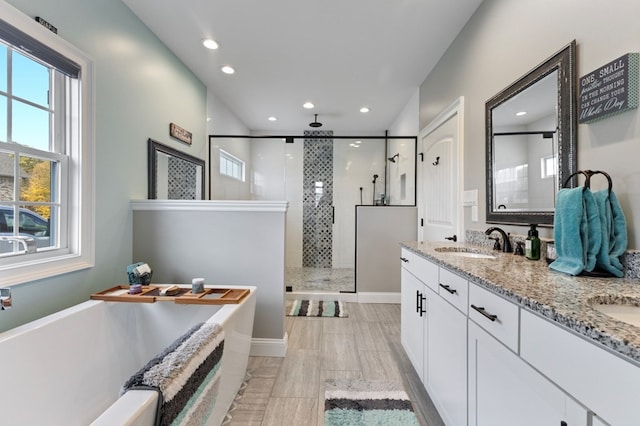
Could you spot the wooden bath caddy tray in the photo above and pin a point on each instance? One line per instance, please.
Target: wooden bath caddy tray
(151, 294)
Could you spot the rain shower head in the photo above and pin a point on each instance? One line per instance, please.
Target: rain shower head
(393, 159)
(375, 177)
(315, 122)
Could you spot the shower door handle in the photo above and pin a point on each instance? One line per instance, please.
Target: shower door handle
(333, 215)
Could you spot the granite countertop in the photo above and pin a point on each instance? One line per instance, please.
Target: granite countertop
(562, 298)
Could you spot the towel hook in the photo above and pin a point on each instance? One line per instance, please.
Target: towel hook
(587, 174)
(579, 172)
(600, 172)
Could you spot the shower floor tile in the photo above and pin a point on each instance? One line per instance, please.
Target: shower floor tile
(320, 279)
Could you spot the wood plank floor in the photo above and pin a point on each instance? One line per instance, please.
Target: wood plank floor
(290, 390)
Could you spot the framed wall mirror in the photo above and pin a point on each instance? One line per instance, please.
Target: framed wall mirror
(174, 175)
(531, 142)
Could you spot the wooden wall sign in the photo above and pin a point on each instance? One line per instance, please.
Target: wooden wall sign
(180, 133)
(46, 24)
(609, 90)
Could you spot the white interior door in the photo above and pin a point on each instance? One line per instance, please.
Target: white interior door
(440, 177)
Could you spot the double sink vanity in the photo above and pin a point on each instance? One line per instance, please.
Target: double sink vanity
(498, 339)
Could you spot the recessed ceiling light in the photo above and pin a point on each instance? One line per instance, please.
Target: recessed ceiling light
(227, 69)
(272, 118)
(365, 110)
(210, 44)
(521, 113)
(307, 105)
(358, 142)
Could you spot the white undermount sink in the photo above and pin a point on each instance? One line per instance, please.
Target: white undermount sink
(465, 252)
(622, 312)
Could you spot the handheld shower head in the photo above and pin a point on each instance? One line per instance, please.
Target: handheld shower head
(393, 159)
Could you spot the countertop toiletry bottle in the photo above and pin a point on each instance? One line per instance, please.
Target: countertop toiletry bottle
(532, 244)
(551, 252)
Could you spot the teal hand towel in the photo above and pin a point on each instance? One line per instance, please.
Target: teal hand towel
(576, 231)
(613, 226)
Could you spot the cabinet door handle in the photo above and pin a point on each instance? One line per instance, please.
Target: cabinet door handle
(422, 309)
(404, 259)
(481, 310)
(418, 302)
(449, 289)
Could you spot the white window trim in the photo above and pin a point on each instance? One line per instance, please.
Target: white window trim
(233, 158)
(81, 202)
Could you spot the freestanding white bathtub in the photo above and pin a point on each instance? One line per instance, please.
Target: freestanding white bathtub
(68, 368)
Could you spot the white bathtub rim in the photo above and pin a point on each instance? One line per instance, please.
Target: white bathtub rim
(120, 412)
(44, 321)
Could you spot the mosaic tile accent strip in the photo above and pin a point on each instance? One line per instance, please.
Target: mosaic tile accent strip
(182, 179)
(317, 202)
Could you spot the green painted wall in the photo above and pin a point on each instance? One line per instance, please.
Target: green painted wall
(140, 88)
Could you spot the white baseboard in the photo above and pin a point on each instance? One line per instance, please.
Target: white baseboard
(345, 297)
(361, 297)
(379, 297)
(269, 347)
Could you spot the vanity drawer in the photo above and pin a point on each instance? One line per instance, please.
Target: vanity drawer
(605, 383)
(454, 289)
(421, 268)
(496, 315)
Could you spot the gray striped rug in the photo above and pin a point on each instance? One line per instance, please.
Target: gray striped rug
(316, 308)
(367, 403)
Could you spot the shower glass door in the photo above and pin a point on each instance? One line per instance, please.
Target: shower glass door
(322, 177)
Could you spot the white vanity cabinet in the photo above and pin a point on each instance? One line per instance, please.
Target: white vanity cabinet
(446, 357)
(608, 385)
(469, 353)
(504, 390)
(413, 318)
(434, 304)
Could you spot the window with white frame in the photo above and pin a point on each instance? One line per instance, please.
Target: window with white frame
(46, 208)
(231, 166)
(548, 166)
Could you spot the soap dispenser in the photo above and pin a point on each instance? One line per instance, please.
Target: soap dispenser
(532, 244)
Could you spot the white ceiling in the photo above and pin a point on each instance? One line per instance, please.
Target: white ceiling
(339, 54)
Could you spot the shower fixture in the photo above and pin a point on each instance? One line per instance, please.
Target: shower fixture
(373, 200)
(315, 122)
(393, 159)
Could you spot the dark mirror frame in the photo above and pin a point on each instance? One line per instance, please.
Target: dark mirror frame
(153, 148)
(565, 62)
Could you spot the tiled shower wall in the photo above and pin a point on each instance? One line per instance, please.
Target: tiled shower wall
(183, 180)
(317, 207)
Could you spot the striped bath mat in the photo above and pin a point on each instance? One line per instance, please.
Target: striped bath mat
(316, 308)
(367, 403)
(186, 375)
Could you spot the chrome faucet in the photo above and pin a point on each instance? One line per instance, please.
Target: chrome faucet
(506, 244)
(5, 298)
(29, 243)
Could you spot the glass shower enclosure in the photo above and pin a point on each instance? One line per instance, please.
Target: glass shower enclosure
(323, 177)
